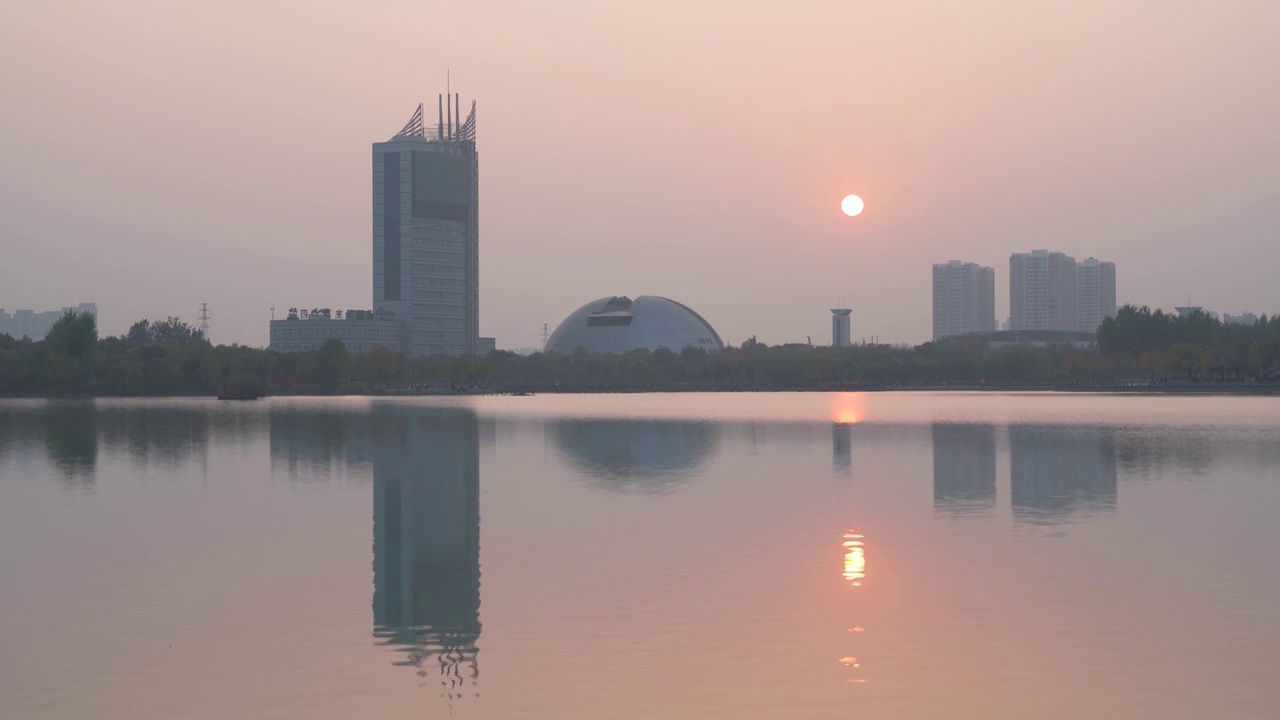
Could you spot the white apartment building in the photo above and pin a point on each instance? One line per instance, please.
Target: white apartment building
(964, 299)
(1096, 293)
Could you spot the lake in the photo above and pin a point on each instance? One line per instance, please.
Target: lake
(893, 555)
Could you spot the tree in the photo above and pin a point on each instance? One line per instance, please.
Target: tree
(73, 335)
(1151, 361)
(333, 366)
(175, 332)
(1021, 364)
(382, 365)
(139, 333)
(1185, 358)
(171, 331)
(464, 370)
(428, 368)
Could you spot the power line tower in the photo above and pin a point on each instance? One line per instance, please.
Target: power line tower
(545, 336)
(204, 320)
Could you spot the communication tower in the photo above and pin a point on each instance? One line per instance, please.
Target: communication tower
(204, 320)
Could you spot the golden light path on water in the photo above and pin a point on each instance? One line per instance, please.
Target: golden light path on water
(855, 561)
(850, 409)
(855, 570)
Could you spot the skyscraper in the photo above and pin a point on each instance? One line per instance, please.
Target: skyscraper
(1096, 295)
(964, 299)
(1042, 291)
(840, 327)
(426, 250)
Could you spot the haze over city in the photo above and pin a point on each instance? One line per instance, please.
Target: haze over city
(156, 156)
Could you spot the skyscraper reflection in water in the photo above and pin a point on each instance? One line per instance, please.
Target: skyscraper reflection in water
(964, 468)
(842, 449)
(426, 541)
(1058, 471)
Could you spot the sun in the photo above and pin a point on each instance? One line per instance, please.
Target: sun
(851, 205)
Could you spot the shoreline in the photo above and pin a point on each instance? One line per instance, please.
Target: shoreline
(1224, 390)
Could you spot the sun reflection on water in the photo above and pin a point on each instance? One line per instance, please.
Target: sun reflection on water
(855, 560)
(848, 408)
(855, 571)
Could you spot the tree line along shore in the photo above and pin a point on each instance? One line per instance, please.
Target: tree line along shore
(1139, 348)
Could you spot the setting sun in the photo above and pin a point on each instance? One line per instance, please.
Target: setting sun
(851, 205)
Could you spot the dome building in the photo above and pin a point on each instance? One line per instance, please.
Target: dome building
(619, 324)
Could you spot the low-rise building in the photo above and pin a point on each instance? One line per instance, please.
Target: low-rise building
(358, 330)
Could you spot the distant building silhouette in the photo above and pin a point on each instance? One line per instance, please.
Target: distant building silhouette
(1051, 291)
(1096, 296)
(426, 247)
(35, 325)
(964, 467)
(1042, 291)
(1247, 318)
(840, 327)
(964, 299)
(1058, 470)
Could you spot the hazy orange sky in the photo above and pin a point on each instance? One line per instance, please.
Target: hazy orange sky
(156, 155)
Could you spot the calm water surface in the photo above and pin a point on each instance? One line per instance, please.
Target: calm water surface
(642, 556)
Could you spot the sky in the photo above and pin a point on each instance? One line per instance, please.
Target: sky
(159, 155)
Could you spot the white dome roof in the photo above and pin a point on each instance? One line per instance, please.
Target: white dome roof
(619, 325)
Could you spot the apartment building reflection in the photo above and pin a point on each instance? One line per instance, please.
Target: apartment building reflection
(964, 468)
(1060, 471)
(426, 541)
(645, 456)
